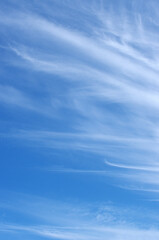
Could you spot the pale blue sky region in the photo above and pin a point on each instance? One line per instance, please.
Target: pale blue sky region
(79, 126)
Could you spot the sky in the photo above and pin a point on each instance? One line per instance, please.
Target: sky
(79, 119)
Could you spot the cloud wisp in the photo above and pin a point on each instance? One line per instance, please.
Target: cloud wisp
(107, 79)
(61, 220)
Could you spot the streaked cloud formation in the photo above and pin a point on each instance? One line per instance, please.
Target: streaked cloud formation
(65, 221)
(79, 103)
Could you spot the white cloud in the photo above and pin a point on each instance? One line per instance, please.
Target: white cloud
(114, 91)
(52, 219)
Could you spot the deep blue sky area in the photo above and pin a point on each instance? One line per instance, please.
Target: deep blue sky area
(79, 119)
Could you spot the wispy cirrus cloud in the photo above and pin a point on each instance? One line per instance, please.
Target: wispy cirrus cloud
(113, 70)
(64, 212)
(63, 220)
(79, 233)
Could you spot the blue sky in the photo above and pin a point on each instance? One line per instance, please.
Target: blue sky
(79, 126)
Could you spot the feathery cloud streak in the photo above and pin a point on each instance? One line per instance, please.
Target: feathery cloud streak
(106, 75)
